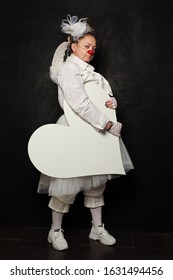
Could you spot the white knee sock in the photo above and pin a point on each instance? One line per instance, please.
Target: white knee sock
(96, 214)
(57, 219)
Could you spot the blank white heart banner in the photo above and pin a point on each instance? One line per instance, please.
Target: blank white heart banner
(78, 149)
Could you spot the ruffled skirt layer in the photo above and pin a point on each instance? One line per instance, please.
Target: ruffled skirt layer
(65, 186)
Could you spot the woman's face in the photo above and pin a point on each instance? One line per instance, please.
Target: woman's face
(85, 48)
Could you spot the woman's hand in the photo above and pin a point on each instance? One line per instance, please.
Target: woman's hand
(116, 129)
(111, 103)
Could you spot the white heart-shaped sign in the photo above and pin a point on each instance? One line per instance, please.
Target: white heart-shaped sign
(78, 150)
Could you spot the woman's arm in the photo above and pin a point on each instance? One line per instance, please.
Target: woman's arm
(72, 85)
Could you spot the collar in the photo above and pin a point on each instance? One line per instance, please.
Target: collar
(84, 65)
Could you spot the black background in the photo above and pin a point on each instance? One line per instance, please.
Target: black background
(135, 54)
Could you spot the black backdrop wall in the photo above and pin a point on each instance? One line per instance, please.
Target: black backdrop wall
(135, 53)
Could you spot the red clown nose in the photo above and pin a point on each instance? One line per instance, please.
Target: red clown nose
(91, 52)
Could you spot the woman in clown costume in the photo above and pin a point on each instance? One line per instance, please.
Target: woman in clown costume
(71, 70)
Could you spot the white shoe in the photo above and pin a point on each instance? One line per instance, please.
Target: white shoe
(99, 233)
(56, 237)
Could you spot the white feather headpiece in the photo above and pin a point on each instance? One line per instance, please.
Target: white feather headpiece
(74, 27)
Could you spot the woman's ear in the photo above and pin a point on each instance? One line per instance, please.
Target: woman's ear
(73, 47)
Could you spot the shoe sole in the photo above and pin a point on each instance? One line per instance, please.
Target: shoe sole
(95, 237)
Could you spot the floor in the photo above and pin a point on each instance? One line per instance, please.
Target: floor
(30, 243)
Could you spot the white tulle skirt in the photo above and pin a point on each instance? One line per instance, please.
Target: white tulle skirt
(65, 186)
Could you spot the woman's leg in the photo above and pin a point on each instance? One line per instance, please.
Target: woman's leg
(57, 219)
(94, 200)
(59, 206)
(96, 214)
